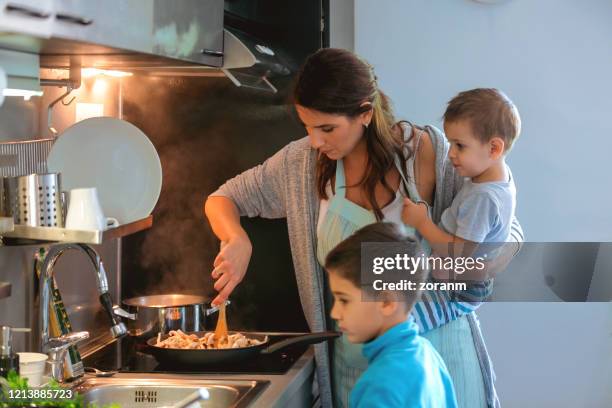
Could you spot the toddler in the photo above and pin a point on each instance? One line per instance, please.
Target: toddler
(481, 126)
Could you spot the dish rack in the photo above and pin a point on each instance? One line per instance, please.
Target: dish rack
(24, 157)
(28, 157)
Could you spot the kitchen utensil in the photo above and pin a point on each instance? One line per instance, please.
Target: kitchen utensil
(35, 200)
(100, 373)
(193, 399)
(192, 357)
(117, 158)
(221, 330)
(32, 367)
(162, 313)
(85, 213)
(25, 157)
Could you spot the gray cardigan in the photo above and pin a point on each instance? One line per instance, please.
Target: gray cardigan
(284, 186)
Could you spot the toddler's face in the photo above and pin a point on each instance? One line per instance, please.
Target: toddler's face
(359, 321)
(469, 156)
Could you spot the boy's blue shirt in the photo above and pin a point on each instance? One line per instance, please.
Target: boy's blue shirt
(404, 370)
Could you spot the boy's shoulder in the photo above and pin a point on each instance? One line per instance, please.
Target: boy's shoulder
(402, 377)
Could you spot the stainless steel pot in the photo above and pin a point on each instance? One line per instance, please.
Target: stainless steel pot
(162, 313)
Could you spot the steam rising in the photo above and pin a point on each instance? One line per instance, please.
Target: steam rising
(205, 131)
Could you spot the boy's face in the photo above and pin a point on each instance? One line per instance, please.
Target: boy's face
(359, 321)
(468, 154)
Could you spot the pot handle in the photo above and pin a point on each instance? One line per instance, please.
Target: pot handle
(122, 313)
(310, 338)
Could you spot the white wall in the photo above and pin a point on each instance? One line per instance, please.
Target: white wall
(554, 59)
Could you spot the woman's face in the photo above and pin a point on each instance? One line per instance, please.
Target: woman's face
(333, 135)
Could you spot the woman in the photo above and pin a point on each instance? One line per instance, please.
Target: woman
(353, 169)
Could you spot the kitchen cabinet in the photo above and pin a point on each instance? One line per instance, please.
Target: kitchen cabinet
(30, 17)
(120, 30)
(124, 24)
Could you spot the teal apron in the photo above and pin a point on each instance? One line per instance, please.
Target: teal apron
(342, 219)
(454, 341)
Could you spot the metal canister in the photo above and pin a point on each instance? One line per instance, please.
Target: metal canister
(35, 200)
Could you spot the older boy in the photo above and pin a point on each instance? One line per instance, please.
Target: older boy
(404, 370)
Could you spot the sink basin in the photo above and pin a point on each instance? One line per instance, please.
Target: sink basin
(160, 392)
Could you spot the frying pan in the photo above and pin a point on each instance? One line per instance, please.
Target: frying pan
(214, 356)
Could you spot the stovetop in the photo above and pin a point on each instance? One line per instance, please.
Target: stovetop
(130, 355)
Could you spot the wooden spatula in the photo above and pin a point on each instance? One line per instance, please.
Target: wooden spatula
(221, 329)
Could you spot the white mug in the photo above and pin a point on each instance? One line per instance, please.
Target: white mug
(85, 212)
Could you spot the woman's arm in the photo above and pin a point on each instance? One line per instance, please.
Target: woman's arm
(259, 191)
(231, 263)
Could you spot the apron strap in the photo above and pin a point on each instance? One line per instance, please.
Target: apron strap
(340, 183)
(407, 169)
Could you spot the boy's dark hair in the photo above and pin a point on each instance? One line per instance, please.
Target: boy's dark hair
(490, 113)
(345, 258)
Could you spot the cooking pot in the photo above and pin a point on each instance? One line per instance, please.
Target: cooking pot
(162, 313)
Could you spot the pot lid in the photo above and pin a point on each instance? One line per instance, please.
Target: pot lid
(169, 300)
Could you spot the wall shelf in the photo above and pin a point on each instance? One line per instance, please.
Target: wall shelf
(52, 234)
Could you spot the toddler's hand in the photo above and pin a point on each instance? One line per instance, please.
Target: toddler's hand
(414, 214)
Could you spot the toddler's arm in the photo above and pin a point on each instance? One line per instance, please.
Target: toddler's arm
(416, 216)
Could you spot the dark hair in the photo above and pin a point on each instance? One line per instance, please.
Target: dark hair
(490, 113)
(345, 258)
(337, 81)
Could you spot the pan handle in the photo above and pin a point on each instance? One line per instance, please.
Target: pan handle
(311, 338)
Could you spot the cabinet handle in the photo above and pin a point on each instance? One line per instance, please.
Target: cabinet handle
(68, 18)
(212, 52)
(27, 11)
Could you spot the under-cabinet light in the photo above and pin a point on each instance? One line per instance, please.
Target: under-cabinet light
(90, 72)
(27, 94)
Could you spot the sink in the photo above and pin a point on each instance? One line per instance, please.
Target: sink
(165, 392)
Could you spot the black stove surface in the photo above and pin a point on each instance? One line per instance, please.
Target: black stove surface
(128, 355)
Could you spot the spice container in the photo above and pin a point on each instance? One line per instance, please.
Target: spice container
(9, 360)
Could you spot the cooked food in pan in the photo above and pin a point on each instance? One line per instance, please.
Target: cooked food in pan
(180, 340)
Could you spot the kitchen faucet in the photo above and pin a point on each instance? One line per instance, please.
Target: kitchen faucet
(118, 328)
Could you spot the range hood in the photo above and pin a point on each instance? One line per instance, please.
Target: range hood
(184, 38)
(247, 61)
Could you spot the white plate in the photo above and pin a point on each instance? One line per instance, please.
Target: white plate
(114, 156)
